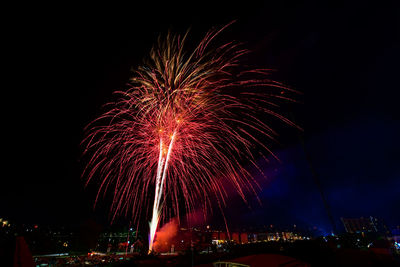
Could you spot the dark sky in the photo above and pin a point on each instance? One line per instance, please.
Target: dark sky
(63, 63)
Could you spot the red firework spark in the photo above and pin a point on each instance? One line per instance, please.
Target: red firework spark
(187, 124)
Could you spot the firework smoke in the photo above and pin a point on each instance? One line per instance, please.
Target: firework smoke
(186, 124)
(166, 236)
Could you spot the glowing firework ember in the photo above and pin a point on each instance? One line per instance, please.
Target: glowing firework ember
(185, 127)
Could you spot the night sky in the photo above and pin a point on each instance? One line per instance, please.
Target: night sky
(63, 63)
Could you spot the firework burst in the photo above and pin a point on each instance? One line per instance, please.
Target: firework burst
(186, 125)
